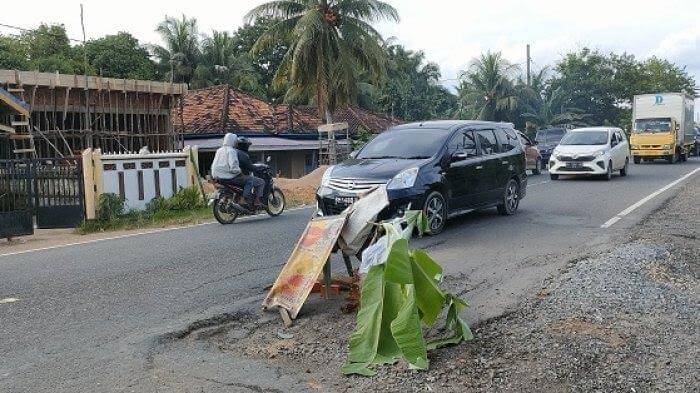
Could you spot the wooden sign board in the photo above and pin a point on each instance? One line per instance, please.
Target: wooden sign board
(304, 266)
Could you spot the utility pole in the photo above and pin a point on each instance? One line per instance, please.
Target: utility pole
(529, 60)
(88, 128)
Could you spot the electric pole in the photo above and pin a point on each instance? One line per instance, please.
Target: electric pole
(88, 127)
(529, 60)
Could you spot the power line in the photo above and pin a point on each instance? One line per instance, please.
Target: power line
(24, 29)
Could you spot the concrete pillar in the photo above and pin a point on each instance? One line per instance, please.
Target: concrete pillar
(89, 185)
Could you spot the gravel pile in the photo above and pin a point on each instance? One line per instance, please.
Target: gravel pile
(627, 320)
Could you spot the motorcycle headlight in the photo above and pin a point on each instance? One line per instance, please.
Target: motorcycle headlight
(325, 180)
(405, 179)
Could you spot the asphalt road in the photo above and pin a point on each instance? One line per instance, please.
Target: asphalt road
(89, 317)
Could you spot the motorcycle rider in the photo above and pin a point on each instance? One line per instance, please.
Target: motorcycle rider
(233, 166)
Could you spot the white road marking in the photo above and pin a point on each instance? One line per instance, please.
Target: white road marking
(538, 184)
(647, 198)
(150, 232)
(8, 300)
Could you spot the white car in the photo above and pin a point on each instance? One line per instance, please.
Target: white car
(591, 151)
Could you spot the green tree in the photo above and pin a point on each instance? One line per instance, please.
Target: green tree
(267, 61)
(13, 55)
(120, 56)
(219, 64)
(412, 90)
(180, 55)
(331, 42)
(48, 49)
(486, 90)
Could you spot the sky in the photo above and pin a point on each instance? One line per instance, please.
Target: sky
(450, 32)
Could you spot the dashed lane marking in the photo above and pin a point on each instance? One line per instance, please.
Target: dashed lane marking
(8, 300)
(647, 198)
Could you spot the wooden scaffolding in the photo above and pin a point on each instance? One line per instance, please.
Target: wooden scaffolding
(68, 113)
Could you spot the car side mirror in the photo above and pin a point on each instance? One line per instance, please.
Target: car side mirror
(353, 154)
(459, 156)
(613, 143)
(268, 159)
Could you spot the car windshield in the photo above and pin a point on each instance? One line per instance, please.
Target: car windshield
(405, 144)
(651, 126)
(549, 136)
(585, 138)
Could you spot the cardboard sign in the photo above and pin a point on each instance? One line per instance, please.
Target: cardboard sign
(304, 266)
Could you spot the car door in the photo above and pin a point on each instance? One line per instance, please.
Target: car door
(490, 167)
(623, 148)
(461, 175)
(615, 150)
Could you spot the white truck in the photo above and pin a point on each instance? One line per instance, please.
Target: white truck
(662, 127)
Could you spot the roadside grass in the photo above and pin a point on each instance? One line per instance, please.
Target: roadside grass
(143, 220)
(185, 207)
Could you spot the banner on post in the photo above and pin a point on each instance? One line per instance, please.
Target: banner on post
(304, 266)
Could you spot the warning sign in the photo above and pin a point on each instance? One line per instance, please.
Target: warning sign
(304, 266)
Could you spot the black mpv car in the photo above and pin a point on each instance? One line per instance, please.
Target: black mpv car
(444, 167)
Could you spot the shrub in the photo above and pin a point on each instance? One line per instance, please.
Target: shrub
(109, 207)
(185, 199)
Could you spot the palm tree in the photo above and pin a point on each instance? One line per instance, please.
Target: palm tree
(551, 110)
(181, 51)
(219, 64)
(331, 42)
(486, 90)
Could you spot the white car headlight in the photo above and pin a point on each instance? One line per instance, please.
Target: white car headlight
(405, 179)
(327, 176)
(599, 153)
(666, 147)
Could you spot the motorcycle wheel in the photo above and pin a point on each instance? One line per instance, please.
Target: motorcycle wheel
(275, 202)
(222, 213)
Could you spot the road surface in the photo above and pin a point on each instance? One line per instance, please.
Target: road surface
(89, 317)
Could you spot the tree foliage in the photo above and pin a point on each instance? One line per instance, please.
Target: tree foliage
(120, 56)
(486, 90)
(330, 44)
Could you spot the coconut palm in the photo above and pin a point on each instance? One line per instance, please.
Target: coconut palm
(180, 54)
(551, 110)
(219, 64)
(331, 42)
(486, 90)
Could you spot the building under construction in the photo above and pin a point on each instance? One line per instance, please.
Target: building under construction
(49, 115)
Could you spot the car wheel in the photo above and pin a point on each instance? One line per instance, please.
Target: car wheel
(553, 176)
(538, 165)
(637, 160)
(511, 199)
(623, 171)
(608, 174)
(435, 211)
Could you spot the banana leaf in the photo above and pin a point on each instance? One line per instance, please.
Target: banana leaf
(460, 329)
(407, 332)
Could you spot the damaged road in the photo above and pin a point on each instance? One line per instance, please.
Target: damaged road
(179, 310)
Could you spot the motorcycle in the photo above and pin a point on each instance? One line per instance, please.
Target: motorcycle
(228, 201)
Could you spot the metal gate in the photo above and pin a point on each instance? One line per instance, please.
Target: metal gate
(51, 189)
(16, 206)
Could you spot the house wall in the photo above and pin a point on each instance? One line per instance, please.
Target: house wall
(288, 164)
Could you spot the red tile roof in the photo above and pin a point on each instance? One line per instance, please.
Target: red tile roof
(203, 112)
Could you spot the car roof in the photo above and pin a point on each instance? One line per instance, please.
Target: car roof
(449, 124)
(588, 129)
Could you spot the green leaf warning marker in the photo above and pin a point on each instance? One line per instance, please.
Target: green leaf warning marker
(398, 298)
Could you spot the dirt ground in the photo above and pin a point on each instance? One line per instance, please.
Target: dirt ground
(627, 319)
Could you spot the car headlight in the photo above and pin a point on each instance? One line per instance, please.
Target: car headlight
(327, 176)
(599, 153)
(634, 147)
(666, 147)
(405, 179)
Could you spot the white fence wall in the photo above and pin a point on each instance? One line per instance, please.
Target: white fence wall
(137, 178)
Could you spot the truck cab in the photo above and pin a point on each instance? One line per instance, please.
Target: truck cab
(660, 127)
